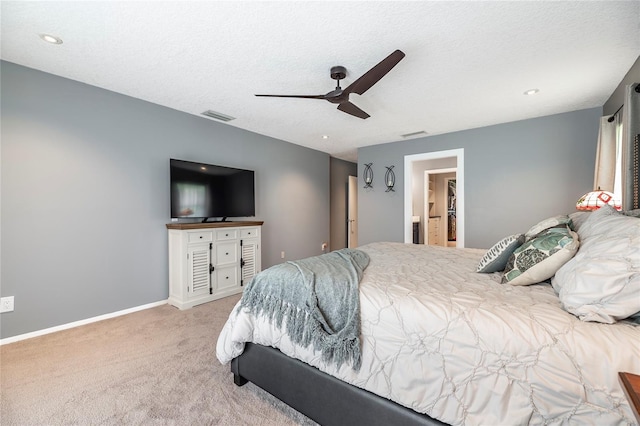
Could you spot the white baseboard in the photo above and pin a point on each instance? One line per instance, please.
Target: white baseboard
(79, 323)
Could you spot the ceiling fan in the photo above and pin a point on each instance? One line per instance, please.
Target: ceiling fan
(341, 96)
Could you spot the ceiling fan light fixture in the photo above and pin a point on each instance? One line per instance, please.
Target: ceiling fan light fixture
(51, 39)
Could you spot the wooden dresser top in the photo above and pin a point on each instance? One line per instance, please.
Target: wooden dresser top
(200, 225)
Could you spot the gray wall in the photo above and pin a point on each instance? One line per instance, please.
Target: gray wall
(85, 196)
(340, 172)
(515, 175)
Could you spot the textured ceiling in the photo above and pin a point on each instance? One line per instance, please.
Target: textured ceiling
(467, 64)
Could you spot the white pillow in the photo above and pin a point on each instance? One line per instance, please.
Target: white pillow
(538, 259)
(602, 282)
(552, 222)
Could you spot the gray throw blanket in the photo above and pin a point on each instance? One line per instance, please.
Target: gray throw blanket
(318, 298)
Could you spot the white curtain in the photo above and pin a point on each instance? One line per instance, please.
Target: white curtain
(606, 155)
(630, 130)
(617, 168)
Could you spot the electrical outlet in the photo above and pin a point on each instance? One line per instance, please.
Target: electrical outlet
(282, 255)
(6, 304)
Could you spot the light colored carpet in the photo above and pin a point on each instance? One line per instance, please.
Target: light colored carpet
(156, 366)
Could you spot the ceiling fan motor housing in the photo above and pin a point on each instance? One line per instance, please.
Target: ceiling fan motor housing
(338, 72)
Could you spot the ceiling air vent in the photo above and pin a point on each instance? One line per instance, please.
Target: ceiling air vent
(218, 115)
(410, 135)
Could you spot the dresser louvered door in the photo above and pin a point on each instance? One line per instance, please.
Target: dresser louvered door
(199, 272)
(250, 260)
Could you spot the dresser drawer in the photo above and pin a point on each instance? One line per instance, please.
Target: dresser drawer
(227, 277)
(226, 253)
(226, 234)
(249, 232)
(200, 237)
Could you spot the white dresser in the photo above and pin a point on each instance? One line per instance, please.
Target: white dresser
(208, 261)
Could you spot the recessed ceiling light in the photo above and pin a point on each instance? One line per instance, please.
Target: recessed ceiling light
(325, 136)
(531, 91)
(51, 39)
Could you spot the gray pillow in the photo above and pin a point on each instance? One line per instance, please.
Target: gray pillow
(577, 219)
(634, 213)
(495, 259)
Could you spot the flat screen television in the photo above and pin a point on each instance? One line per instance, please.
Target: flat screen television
(204, 191)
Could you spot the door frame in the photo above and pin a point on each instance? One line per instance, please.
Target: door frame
(352, 212)
(408, 190)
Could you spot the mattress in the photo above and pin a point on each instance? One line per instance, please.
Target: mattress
(463, 348)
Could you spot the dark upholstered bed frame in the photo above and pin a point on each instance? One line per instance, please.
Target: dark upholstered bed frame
(321, 397)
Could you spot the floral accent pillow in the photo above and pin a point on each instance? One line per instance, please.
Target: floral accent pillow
(495, 259)
(538, 259)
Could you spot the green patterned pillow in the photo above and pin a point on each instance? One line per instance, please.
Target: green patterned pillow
(495, 259)
(539, 258)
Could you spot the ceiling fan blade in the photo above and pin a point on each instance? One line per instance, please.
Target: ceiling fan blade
(350, 108)
(372, 76)
(296, 96)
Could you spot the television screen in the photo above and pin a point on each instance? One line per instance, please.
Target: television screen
(204, 191)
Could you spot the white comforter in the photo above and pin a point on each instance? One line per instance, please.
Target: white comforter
(461, 347)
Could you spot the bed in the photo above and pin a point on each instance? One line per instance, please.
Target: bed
(444, 343)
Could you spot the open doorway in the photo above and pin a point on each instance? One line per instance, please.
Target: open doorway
(416, 167)
(438, 220)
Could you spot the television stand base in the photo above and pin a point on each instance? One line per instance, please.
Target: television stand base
(205, 220)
